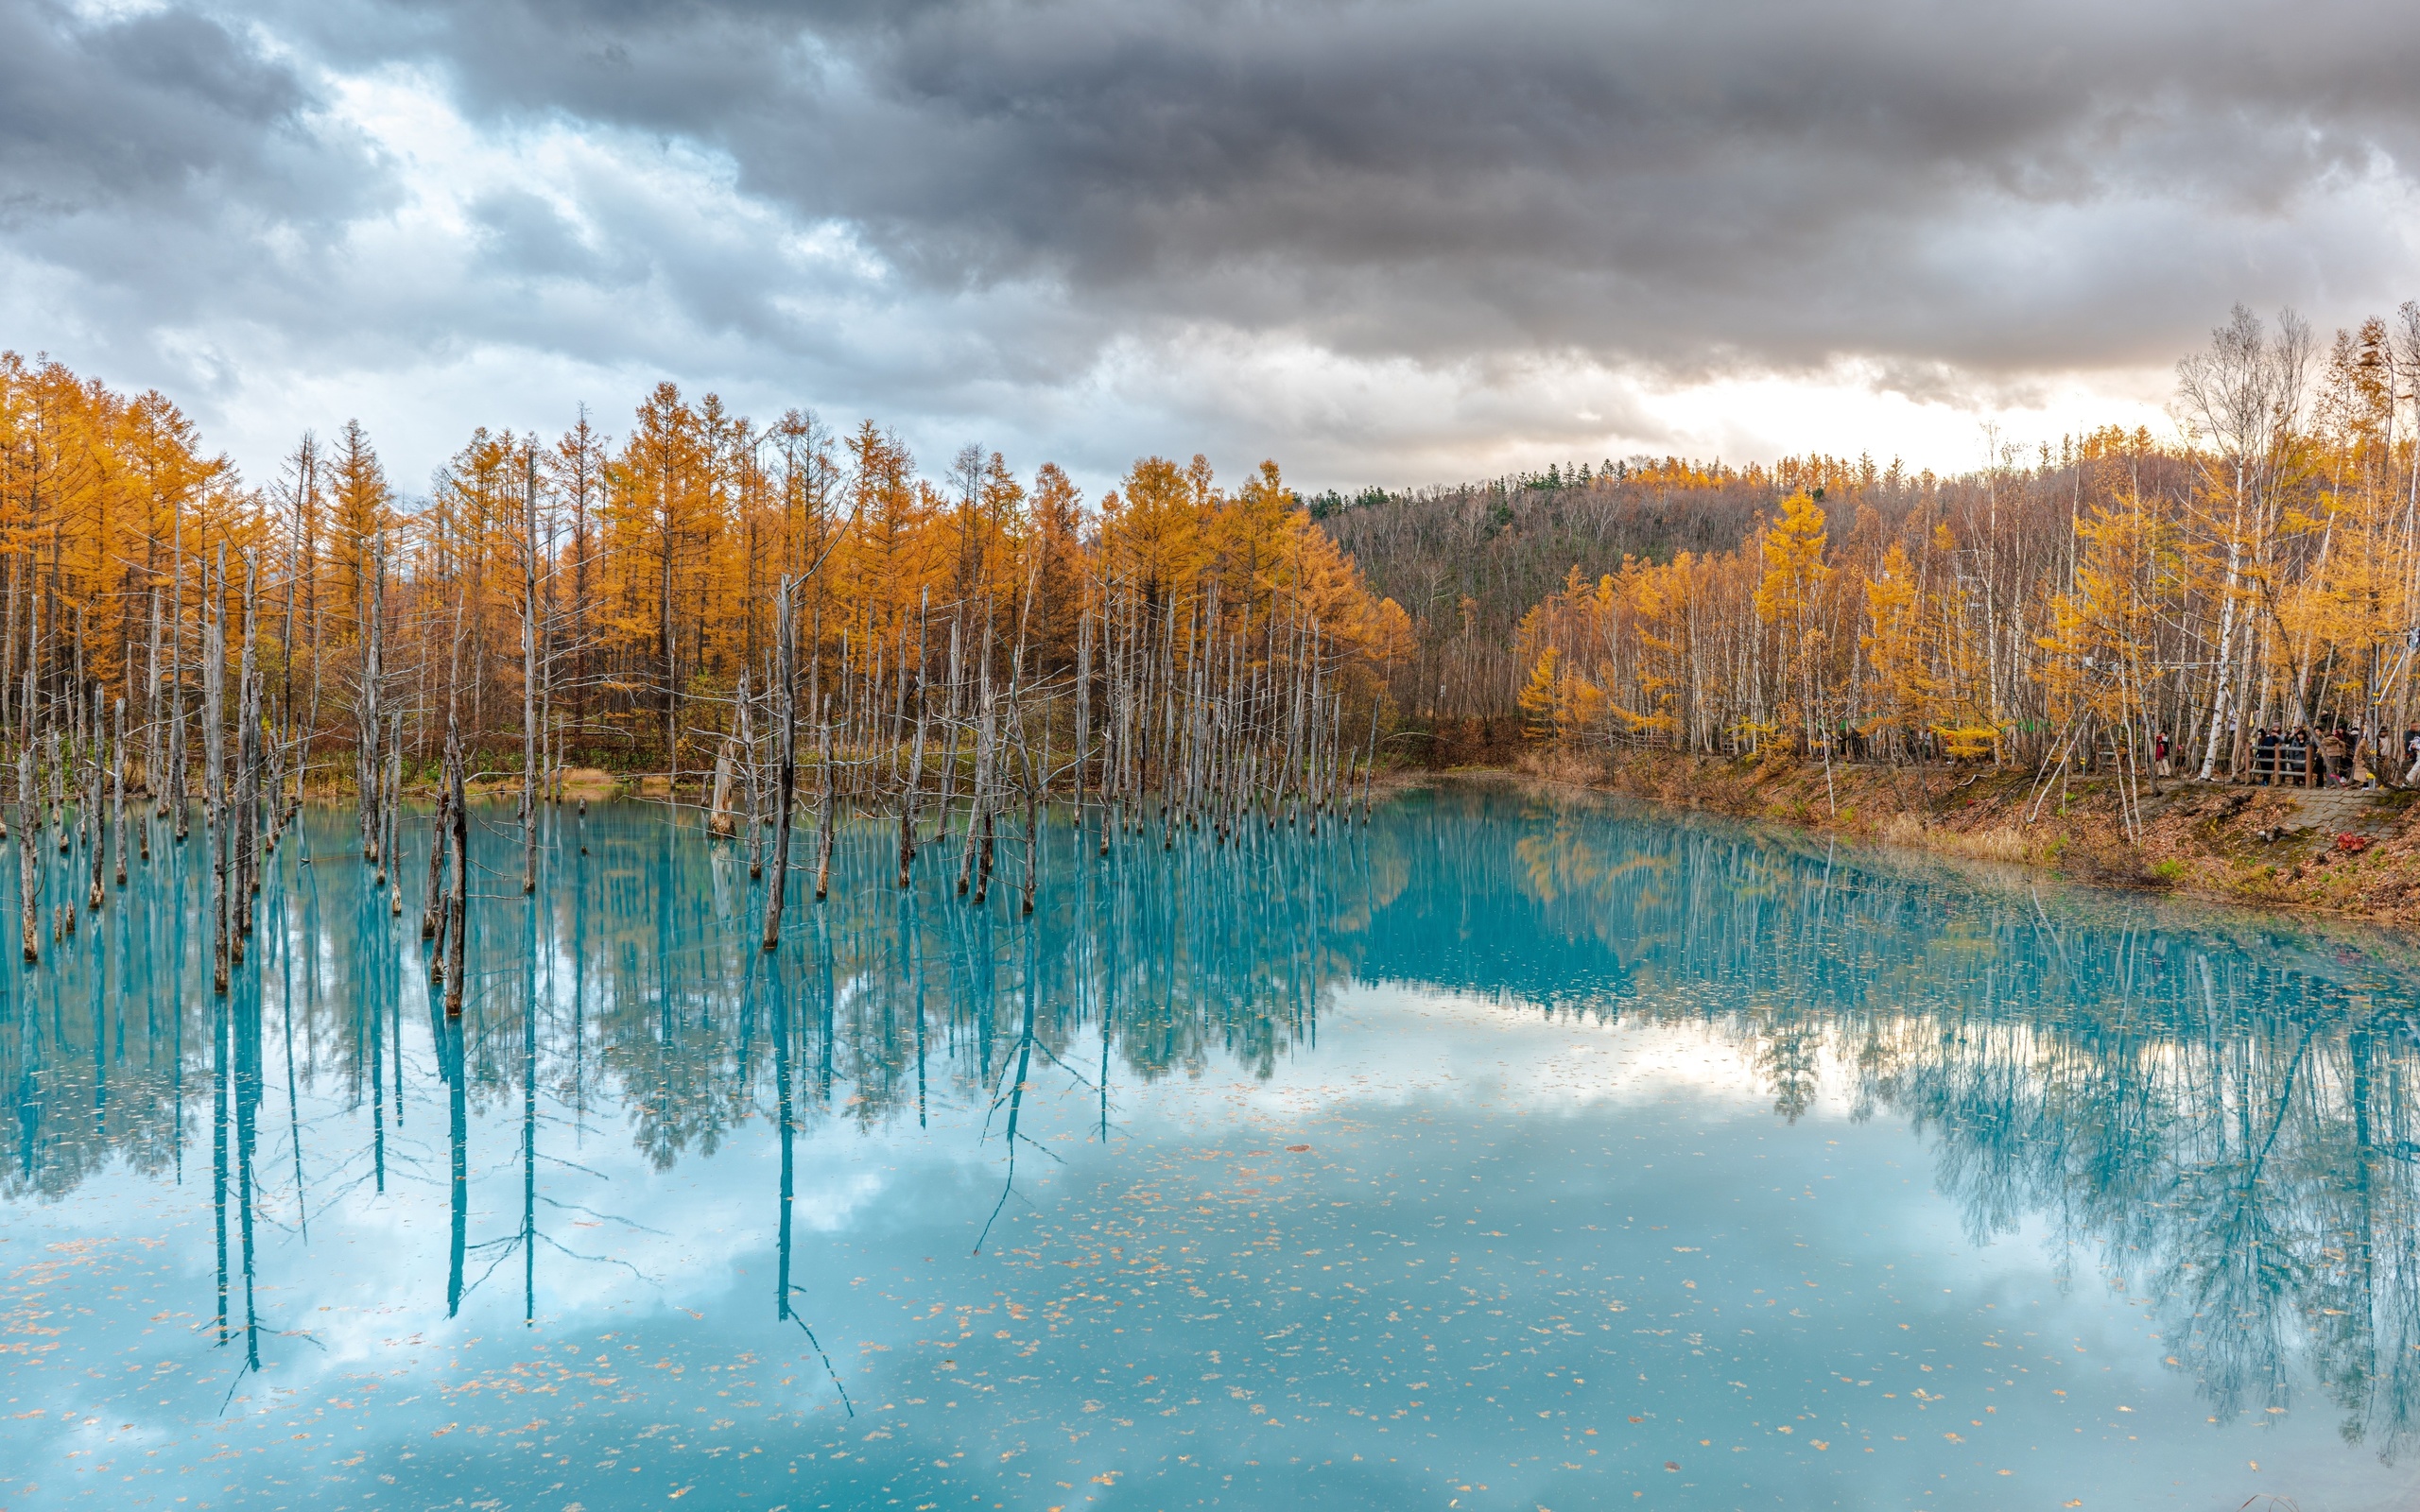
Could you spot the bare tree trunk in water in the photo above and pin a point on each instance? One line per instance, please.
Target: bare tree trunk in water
(214, 796)
(387, 857)
(1031, 831)
(117, 797)
(29, 857)
(373, 670)
(431, 913)
(176, 797)
(823, 818)
(93, 792)
(529, 735)
(784, 752)
(458, 905)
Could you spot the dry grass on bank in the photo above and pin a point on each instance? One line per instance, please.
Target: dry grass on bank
(2343, 851)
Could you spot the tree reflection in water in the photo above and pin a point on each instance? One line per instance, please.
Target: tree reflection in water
(2222, 1105)
(2219, 1106)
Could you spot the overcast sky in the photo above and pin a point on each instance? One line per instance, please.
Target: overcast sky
(1395, 242)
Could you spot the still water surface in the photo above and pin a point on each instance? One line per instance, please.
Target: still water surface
(1515, 1151)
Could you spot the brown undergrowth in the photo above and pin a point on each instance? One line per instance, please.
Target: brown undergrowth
(2345, 852)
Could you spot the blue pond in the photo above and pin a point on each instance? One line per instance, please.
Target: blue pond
(1516, 1150)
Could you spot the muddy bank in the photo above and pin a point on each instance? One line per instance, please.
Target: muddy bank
(2346, 852)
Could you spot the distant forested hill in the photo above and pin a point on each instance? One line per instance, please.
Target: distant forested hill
(1468, 560)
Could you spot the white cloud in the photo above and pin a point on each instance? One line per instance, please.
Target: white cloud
(1092, 237)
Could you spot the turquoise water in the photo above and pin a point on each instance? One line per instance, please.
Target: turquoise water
(1514, 1151)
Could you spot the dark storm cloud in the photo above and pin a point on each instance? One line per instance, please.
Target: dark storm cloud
(160, 166)
(2001, 187)
(152, 109)
(1347, 230)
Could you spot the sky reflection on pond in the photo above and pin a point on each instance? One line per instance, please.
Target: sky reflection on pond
(1516, 1150)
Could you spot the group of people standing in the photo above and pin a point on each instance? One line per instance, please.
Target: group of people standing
(2326, 757)
(2303, 757)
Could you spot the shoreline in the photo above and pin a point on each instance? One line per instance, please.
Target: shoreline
(2343, 852)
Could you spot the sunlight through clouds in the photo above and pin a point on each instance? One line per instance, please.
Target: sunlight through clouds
(1399, 246)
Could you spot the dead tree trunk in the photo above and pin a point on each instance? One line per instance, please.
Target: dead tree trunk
(457, 907)
(28, 854)
(785, 753)
(117, 797)
(431, 914)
